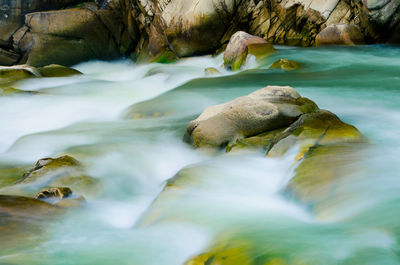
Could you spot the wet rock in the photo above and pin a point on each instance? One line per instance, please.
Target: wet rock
(56, 70)
(23, 221)
(340, 34)
(241, 45)
(64, 171)
(267, 109)
(211, 71)
(285, 65)
(312, 129)
(59, 193)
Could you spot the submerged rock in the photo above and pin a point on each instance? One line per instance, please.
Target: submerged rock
(285, 65)
(241, 45)
(340, 34)
(264, 110)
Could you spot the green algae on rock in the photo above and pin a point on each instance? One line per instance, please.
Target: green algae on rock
(285, 65)
(64, 171)
(56, 70)
(241, 45)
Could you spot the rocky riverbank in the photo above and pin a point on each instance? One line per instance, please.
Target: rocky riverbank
(67, 32)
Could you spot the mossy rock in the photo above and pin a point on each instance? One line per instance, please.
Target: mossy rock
(11, 175)
(240, 45)
(211, 71)
(12, 74)
(56, 70)
(285, 65)
(64, 171)
(319, 178)
(319, 128)
(9, 91)
(232, 253)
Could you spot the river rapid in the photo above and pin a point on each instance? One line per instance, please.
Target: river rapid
(236, 195)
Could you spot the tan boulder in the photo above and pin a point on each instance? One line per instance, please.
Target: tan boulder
(241, 45)
(264, 110)
(340, 34)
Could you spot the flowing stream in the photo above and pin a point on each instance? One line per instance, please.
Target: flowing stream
(234, 193)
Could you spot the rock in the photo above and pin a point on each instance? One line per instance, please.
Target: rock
(285, 65)
(23, 221)
(241, 45)
(321, 177)
(64, 171)
(71, 202)
(12, 13)
(196, 26)
(72, 35)
(11, 74)
(340, 34)
(269, 108)
(312, 129)
(56, 70)
(8, 57)
(59, 193)
(211, 71)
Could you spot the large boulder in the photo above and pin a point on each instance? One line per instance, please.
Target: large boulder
(264, 110)
(241, 45)
(340, 34)
(12, 14)
(66, 37)
(196, 26)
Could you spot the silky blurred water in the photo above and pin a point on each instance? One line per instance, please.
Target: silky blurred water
(223, 195)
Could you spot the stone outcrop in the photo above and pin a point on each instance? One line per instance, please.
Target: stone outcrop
(340, 34)
(40, 32)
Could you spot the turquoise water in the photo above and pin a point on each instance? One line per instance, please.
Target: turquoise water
(235, 196)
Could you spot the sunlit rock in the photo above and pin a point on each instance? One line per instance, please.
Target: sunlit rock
(285, 65)
(340, 34)
(241, 45)
(267, 109)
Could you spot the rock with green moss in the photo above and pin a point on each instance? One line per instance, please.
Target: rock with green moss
(17, 72)
(64, 171)
(285, 65)
(56, 70)
(210, 71)
(311, 129)
(267, 109)
(241, 45)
